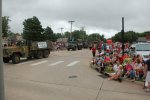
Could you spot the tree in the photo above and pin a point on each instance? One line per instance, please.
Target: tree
(130, 36)
(5, 25)
(10, 33)
(79, 34)
(143, 34)
(56, 36)
(67, 34)
(48, 33)
(32, 29)
(96, 37)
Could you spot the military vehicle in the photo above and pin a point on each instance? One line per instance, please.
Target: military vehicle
(72, 45)
(85, 44)
(79, 44)
(26, 49)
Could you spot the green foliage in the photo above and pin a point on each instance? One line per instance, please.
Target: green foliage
(79, 34)
(96, 37)
(48, 33)
(130, 36)
(58, 35)
(67, 34)
(10, 33)
(5, 26)
(143, 34)
(54, 38)
(32, 29)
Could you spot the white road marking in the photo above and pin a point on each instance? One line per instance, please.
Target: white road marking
(25, 63)
(39, 63)
(73, 63)
(58, 62)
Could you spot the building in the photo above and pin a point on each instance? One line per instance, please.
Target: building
(12, 39)
(142, 39)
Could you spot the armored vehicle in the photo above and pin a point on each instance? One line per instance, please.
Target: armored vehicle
(26, 49)
(72, 45)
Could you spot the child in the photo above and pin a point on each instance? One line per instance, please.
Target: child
(116, 75)
(139, 69)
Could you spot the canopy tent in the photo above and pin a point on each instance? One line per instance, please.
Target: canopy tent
(109, 42)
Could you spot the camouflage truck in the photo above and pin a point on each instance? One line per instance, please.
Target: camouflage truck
(79, 44)
(72, 45)
(26, 49)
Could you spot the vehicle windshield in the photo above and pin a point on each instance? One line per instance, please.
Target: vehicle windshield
(143, 47)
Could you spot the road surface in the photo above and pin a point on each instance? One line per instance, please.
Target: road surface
(65, 75)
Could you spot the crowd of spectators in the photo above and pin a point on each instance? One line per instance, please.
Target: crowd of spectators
(109, 59)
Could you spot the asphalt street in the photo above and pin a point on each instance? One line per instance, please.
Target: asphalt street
(65, 75)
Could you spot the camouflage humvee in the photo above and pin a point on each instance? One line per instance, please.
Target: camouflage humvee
(26, 49)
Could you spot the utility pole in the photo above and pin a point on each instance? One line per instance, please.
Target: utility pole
(71, 29)
(122, 32)
(61, 33)
(2, 95)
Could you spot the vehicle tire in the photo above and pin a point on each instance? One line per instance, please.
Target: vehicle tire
(15, 59)
(6, 60)
(46, 53)
(75, 49)
(39, 55)
(79, 48)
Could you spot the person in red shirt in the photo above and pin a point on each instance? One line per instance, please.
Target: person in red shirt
(93, 50)
(107, 59)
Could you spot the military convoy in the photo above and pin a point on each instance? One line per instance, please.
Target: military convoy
(74, 45)
(26, 49)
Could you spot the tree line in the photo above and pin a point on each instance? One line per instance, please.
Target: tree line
(33, 30)
(129, 36)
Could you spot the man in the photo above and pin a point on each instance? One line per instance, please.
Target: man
(147, 73)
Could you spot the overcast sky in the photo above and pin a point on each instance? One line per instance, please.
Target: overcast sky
(97, 16)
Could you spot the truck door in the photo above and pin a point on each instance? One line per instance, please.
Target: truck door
(24, 51)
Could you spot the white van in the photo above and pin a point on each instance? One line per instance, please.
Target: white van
(142, 49)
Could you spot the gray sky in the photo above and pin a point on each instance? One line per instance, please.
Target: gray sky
(97, 16)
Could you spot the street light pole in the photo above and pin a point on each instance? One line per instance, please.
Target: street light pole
(71, 29)
(122, 32)
(2, 95)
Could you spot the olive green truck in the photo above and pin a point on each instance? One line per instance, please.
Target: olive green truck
(26, 49)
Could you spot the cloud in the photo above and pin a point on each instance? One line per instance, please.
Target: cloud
(98, 16)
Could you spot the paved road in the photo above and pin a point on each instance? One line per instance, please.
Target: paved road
(65, 76)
